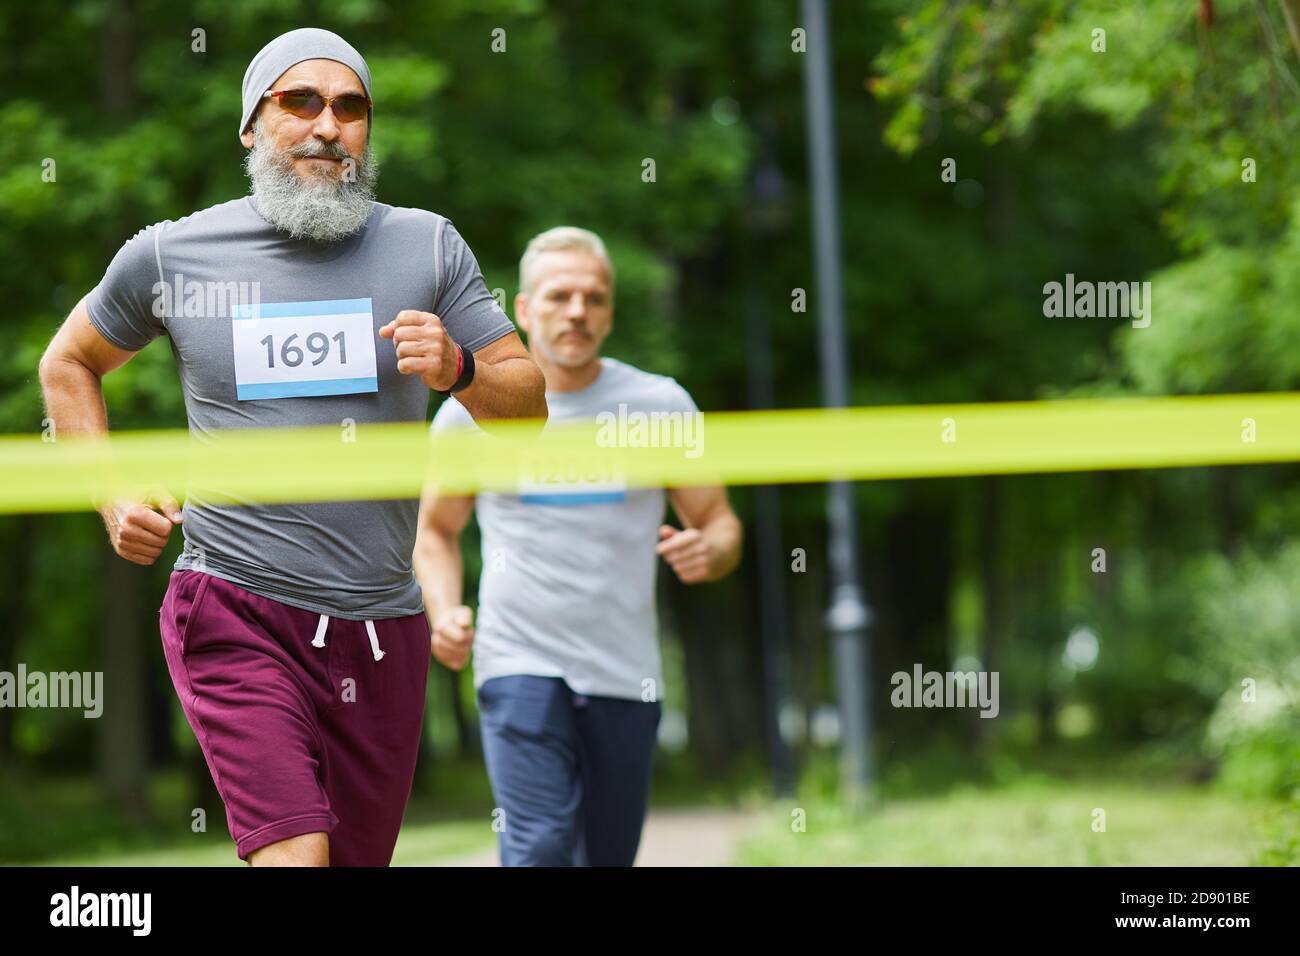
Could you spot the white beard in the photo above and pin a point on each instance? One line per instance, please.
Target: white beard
(317, 208)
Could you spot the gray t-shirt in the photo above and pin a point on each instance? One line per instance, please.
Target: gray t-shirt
(568, 582)
(270, 331)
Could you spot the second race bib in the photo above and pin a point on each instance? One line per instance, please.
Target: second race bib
(564, 480)
(295, 349)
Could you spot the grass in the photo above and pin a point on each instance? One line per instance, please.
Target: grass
(1022, 811)
(65, 820)
(1042, 822)
(1030, 824)
(419, 845)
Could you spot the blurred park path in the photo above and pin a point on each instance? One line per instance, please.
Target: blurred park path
(677, 837)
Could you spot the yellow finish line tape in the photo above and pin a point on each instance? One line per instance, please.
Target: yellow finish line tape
(334, 463)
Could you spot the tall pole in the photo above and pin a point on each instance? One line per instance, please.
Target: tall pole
(766, 193)
(848, 616)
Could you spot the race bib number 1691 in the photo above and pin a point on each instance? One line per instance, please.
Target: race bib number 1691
(294, 349)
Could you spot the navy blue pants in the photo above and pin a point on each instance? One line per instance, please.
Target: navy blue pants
(570, 772)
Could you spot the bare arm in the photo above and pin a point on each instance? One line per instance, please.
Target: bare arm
(507, 383)
(71, 373)
(440, 573)
(709, 547)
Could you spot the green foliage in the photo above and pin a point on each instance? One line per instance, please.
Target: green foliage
(1208, 96)
(1226, 321)
(1285, 849)
(1250, 632)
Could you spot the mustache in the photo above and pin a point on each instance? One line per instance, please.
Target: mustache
(319, 148)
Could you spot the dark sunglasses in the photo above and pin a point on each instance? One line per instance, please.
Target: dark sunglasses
(307, 104)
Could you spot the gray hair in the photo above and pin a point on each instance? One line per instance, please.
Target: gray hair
(561, 239)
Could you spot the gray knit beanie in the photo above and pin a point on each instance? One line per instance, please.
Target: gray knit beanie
(294, 47)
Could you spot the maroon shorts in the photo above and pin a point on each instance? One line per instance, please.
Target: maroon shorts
(303, 729)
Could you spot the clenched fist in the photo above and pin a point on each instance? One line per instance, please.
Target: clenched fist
(423, 348)
(139, 528)
(453, 635)
(686, 551)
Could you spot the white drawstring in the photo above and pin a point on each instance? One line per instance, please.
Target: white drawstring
(319, 639)
(374, 641)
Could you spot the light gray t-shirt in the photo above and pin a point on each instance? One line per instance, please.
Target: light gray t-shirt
(270, 331)
(568, 582)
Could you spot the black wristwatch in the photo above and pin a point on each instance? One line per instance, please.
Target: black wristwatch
(466, 371)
